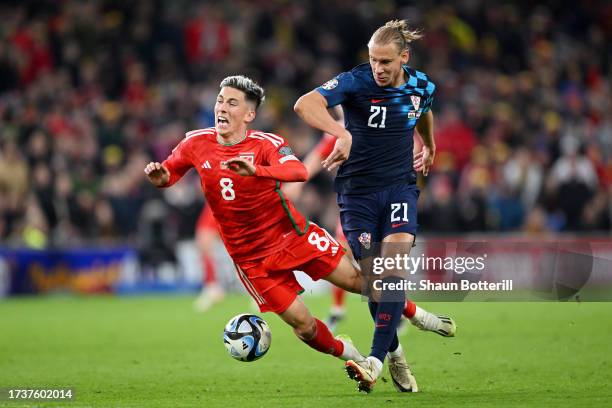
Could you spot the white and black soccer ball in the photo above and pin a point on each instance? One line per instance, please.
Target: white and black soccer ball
(247, 337)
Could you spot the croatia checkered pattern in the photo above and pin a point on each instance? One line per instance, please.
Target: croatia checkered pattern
(382, 122)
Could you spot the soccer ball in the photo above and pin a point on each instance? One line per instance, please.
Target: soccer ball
(247, 337)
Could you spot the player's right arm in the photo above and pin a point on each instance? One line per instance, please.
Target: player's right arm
(312, 108)
(171, 170)
(325, 146)
(157, 173)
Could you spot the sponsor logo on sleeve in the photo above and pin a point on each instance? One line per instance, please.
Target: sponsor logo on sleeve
(287, 154)
(331, 84)
(285, 151)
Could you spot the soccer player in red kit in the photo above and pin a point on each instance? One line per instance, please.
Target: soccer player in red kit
(241, 171)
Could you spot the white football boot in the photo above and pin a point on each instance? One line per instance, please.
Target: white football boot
(442, 325)
(365, 372)
(402, 377)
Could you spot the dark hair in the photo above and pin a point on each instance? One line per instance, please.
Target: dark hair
(397, 32)
(253, 92)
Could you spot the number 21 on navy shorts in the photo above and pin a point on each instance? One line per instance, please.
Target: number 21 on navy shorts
(368, 218)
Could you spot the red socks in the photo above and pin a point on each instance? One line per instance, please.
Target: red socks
(338, 295)
(210, 271)
(324, 341)
(409, 309)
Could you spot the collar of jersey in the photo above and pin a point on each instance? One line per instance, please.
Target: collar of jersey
(405, 84)
(232, 144)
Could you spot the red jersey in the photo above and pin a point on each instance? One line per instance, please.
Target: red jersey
(253, 215)
(325, 145)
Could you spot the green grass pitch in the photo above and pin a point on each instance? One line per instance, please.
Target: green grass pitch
(157, 352)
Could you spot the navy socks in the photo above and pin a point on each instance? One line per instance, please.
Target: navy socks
(387, 316)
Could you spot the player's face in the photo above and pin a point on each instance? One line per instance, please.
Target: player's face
(232, 112)
(386, 62)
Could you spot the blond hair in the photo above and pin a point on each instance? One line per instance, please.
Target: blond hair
(396, 32)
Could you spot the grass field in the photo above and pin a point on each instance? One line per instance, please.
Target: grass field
(156, 352)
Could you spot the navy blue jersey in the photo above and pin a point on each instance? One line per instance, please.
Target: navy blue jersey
(382, 122)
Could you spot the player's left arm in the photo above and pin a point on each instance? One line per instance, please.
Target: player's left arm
(423, 160)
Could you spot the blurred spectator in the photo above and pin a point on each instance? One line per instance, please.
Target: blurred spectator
(455, 137)
(14, 185)
(90, 91)
(524, 175)
(441, 210)
(573, 182)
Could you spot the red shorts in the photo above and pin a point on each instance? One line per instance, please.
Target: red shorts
(206, 220)
(271, 280)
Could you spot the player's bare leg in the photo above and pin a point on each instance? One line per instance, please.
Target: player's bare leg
(316, 334)
(346, 276)
(337, 310)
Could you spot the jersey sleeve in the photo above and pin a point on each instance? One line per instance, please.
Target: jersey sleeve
(431, 88)
(325, 145)
(178, 163)
(279, 162)
(278, 154)
(337, 90)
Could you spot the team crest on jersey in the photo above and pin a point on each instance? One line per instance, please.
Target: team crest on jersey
(248, 156)
(331, 84)
(366, 239)
(416, 103)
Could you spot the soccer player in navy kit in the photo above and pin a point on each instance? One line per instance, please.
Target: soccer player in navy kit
(383, 102)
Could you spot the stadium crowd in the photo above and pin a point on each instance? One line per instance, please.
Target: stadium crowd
(90, 91)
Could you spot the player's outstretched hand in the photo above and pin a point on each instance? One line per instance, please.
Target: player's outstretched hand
(239, 165)
(423, 160)
(157, 173)
(341, 151)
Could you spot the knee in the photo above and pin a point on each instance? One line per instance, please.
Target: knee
(305, 328)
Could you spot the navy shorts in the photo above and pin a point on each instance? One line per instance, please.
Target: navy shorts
(368, 218)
